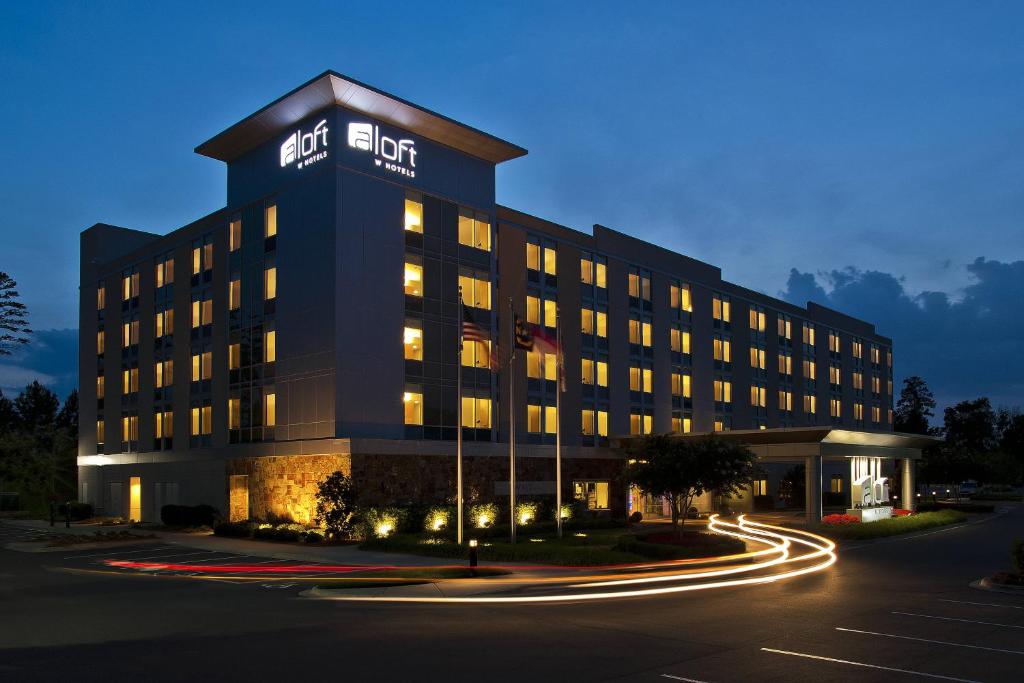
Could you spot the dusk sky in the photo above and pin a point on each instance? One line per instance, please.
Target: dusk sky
(868, 156)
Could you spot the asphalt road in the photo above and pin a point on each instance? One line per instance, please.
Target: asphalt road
(890, 610)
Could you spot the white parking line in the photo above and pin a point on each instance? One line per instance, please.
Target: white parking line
(966, 621)
(982, 604)
(167, 557)
(680, 678)
(867, 666)
(217, 559)
(926, 640)
(130, 552)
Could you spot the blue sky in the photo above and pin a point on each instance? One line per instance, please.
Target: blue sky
(845, 141)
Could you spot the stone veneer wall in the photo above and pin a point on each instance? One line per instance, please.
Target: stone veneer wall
(285, 486)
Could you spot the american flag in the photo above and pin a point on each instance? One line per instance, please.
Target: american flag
(470, 330)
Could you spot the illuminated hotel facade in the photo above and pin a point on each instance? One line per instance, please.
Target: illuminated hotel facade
(312, 323)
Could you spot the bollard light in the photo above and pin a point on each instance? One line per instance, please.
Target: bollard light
(472, 552)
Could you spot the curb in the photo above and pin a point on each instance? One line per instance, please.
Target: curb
(986, 584)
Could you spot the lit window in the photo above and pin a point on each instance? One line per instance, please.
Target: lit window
(785, 364)
(270, 410)
(602, 324)
(602, 373)
(785, 400)
(587, 321)
(235, 295)
(756, 357)
(534, 365)
(100, 387)
(197, 260)
(234, 356)
(634, 379)
(757, 396)
(550, 366)
(723, 349)
(550, 261)
(130, 333)
(164, 323)
(550, 313)
(533, 310)
(413, 342)
(760, 487)
(474, 230)
(593, 493)
(100, 343)
(533, 419)
(601, 272)
(634, 331)
(757, 320)
(808, 334)
(270, 283)
(550, 419)
(720, 309)
(858, 380)
(785, 327)
(810, 404)
(587, 371)
(235, 234)
(413, 279)
(602, 423)
(270, 221)
(413, 403)
(645, 336)
(858, 411)
(234, 413)
(163, 374)
(476, 413)
(876, 414)
(810, 369)
(476, 292)
(270, 346)
(588, 422)
(101, 298)
(413, 215)
(723, 391)
(833, 342)
(858, 349)
(100, 432)
(834, 375)
(202, 366)
(476, 354)
(835, 407)
(635, 423)
(836, 483)
(587, 274)
(163, 424)
(532, 256)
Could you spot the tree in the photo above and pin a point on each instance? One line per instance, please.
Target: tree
(14, 329)
(6, 413)
(36, 407)
(335, 504)
(680, 470)
(915, 406)
(67, 418)
(970, 439)
(793, 487)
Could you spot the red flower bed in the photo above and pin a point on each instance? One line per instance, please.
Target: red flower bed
(900, 512)
(840, 519)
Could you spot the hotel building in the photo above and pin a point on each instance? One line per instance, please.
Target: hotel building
(312, 324)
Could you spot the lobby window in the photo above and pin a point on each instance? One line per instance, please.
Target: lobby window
(130, 333)
(533, 419)
(202, 366)
(679, 297)
(720, 308)
(412, 340)
(270, 346)
(586, 272)
(100, 387)
(163, 424)
(235, 294)
(679, 340)
(532, 310)
(593, 493)
(474, 229)
(235, 235)
(270, 283)
(810, 404)
(722, 349)
(588, 422)
(234, 356)
(129, 286)
(757, 396)
(475, 354)
(476, 291)
(809, 334)
(130, 380)
(100, 432)
(476, 412)
(202, 311)
(163, 323)
(270, 410)
(785, 324)
(785, 364)
(414, 213)
(164, 272)
(835, 407)
(413, 279)
(723, 391)
(858, 411)
(835, 483)
(201, 420)
(270, 221)
(757, 319)
(785, 400)
(100, 343)
(413, 403)
(810, 370)
(876, 414)
(756, 357)
(163, 373)
(234, 413)
(858, 348)
(101, 298)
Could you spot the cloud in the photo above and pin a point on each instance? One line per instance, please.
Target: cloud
(964, 348)
(51, 357)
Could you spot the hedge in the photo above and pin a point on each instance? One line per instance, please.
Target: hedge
(188, 515)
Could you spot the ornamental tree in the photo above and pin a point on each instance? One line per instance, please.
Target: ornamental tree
(681, 470)
(335, 504)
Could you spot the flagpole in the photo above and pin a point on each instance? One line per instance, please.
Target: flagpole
(512, 422)
(458, 428)
(558, 423)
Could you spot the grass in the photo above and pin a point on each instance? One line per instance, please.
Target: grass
(593, 547)
(892, 526)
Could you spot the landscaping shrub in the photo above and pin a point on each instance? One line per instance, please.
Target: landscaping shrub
(526, 513)
(894, 525)
(313, 537)
(833, 520)
(834, 499)
(379, 522)
(233, 529)
(188, 515)
(900, 512)
(636, 517)
(79, 511)
(482, 515)
(288, 533)
(335, 504)
(693, 544)
(765, 502)
(438, 518)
